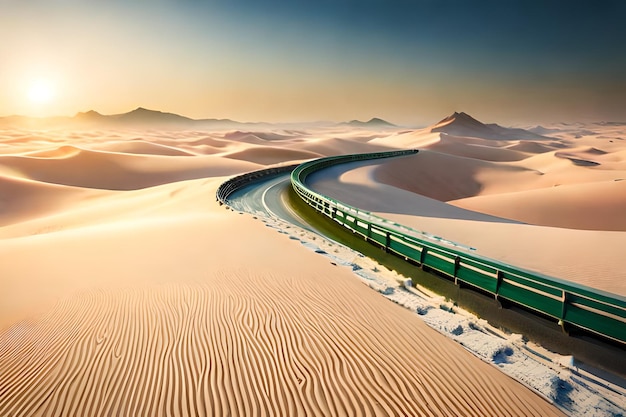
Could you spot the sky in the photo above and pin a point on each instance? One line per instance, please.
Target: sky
(410, 62)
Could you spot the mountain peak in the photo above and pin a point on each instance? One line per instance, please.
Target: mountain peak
(90, 114)
(457, 118)
(143, 109)
(378, 121)
(142, 115)
(374, 121)
(462, 124)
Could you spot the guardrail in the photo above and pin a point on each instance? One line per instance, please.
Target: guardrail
(227, 188)
(569, 303)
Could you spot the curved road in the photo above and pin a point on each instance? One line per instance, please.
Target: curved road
(269, 197)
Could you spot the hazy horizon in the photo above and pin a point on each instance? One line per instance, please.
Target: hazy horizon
(408, 62)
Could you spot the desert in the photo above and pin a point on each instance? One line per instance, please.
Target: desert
(320, 208)
(128, 290)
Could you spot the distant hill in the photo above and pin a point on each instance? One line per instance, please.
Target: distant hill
(462, 124)
(373, 122)
(140, 117)
(89, 116)
(145, 116)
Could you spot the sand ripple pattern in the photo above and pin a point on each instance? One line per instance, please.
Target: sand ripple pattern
(233, 347)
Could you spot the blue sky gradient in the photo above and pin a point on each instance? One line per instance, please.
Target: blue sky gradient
(411, 62)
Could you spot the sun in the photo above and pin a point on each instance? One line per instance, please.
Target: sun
(40, 92)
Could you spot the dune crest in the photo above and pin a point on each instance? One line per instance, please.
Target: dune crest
(66, 151)
(141, 147)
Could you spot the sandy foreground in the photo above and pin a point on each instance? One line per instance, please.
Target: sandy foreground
(126, 289)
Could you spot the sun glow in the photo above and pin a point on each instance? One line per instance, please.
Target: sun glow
(41, 92)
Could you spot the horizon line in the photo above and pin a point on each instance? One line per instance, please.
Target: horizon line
(226, 120)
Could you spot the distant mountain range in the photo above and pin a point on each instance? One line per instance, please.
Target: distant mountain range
(142, 117)
(457, 124)
(145, 117)
(462, 124)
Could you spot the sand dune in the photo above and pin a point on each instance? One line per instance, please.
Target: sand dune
(269, 155)
(22, 199)
(579, 158)
(531, 147)
(258, 138)
(617, 156)
(471, 147)
(141, 147)
(212, 142)
(126, 290)
(591, 206)
(444, 176)
(418, 139)
(337, 146)
(62, 152)
(116, 171)
(462, 146)
(236, 333)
